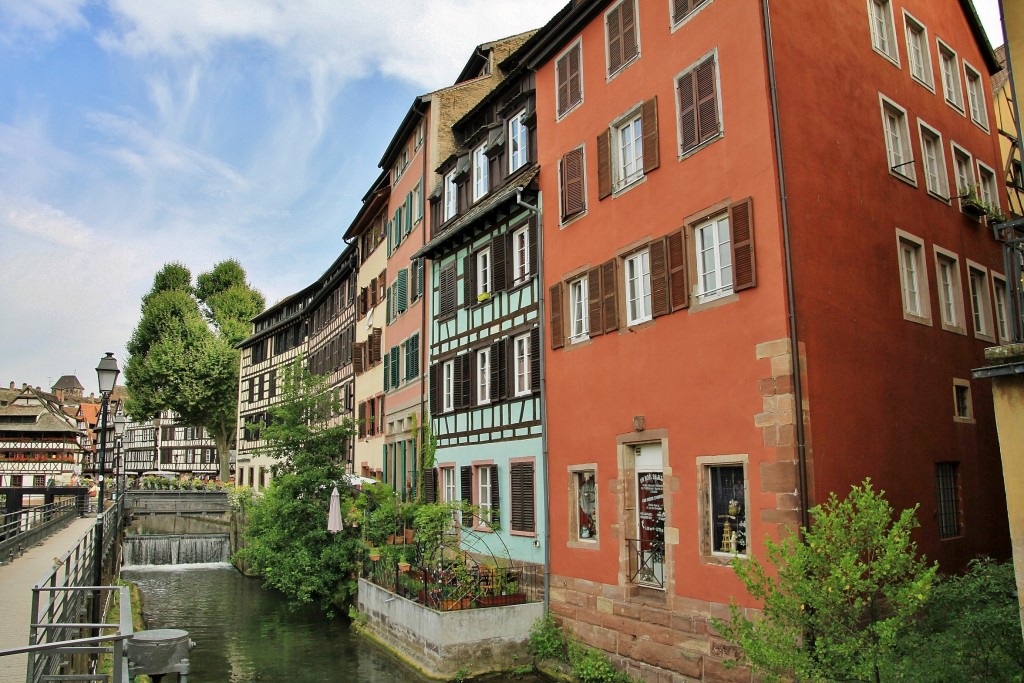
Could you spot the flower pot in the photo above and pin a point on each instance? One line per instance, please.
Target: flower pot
(409, 535)
(374, 556)
(404, 566)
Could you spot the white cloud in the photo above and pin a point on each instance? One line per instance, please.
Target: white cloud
(43, 222)
(24, 22)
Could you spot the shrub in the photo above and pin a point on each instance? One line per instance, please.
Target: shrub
(547, 640)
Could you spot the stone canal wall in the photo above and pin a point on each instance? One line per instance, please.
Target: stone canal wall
(445, 644)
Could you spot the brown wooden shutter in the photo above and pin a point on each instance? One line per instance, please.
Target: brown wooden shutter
(495, 498)
(562, 79)
(741, 235)
(609, 296)
(499, 369)
(678, 277)
(499, 265)
(628, 19)
(375, 343)
(649, 123)
(446, 293)
(466, 388)
(594, 303)
(373, 292)
(573, 194)
(687, 111)
(430, 486)
(604, 165)
(467, 492)
(357, 357)
(435, 388)
(659, 278)
(555, 312)
(469, 280)
(532, 238)
(362, 420)
(575, 75)
(535, 359)
(680, 8)
(707, 100)
(363, 294)
(458, 376)
(522, 497)
(614, 19)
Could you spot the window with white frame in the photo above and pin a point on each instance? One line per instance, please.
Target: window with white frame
(448, 490)
(584, 488)
(981, 305)
(521, 346)
(883, 30)
(483, 479)
(417, 201)
(480, 173)
(987, 186)
(897, 141)
(628, 151)
(483, 376)
(918, 52)
(951, 88)
(1002, 314)
(451, 194)
(913, 281)
(483, 272)
(520, 254)
(519, 142)
(448, 386)
(951, 304)
(964, 169)
(976, 96)
(638, 287)
(579, 311)
(714, 259)
(935, 176)
(726, 508)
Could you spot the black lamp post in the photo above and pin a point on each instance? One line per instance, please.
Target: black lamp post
(106, 375)
(120, 420)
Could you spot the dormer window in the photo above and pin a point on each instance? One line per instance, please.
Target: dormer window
(518, 140)
(450, 196)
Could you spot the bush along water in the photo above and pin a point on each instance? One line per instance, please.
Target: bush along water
(548, 642)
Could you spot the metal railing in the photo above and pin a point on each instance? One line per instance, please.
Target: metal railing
(23, 529)
(646, 562)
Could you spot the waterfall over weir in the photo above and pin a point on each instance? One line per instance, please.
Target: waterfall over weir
(175, 549)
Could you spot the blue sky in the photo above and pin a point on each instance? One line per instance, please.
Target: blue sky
(135, 133)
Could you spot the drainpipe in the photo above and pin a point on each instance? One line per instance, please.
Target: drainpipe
(545, 498)
(801, 446)
(425, 345)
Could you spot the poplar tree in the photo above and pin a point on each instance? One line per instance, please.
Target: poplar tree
(182, 354)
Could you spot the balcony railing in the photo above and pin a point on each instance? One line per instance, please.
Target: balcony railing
(646, 562)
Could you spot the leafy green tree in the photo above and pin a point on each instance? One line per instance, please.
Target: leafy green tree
(287, 541)
(842, 600)
(970, 630)
(182, 354)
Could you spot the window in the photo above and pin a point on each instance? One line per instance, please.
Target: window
(571, 181)
(579, 325)
(683, 8)
(519, 142)
(448, 484)
(987, 186)
(569, 79)
(951, 305)
(638, 288)
(964, 172)
(623, 40)
(935, 177)
(976, 96)
(883, 31)
(950, 77)
(522, 498)
(483, 376)
(963, 411)
(448, 386)
(487, 494)
(714, 259)
(451, 193)
(483, 272)
(699, 120)
(727, 509)
(628, 149)
(521, 254)
(417, 201)
(897, 141)
(913, 282)
(947, 495)
(918, 53)
(1002, 315)
(480, 173)
(584, 489)
(977, 279)
(523, 380)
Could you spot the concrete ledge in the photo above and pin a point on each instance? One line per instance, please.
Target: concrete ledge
(443, 644)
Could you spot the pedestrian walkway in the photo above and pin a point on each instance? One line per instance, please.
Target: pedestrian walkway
(17, 578)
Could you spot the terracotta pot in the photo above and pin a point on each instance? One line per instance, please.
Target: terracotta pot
(404, 566)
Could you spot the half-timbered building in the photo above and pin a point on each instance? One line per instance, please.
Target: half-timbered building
(39, 443)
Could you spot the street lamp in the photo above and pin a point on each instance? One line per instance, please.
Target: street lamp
(106, 375)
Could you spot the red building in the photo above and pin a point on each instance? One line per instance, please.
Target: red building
(724, 183)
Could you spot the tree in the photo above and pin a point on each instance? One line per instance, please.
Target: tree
(287, 541)
(182, 354)
(843, 598)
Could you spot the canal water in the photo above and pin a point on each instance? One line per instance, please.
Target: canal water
(245, 633)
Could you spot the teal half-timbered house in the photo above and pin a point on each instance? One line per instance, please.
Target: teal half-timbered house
(485, 358)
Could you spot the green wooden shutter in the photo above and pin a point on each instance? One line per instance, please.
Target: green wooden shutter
(401, 291)
(395, 365)
(387, 371)
(408, 213)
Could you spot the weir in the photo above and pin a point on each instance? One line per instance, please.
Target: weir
(150, 549)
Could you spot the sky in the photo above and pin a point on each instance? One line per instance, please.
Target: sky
(137, 133)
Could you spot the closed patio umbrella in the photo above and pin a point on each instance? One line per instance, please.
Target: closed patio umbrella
(334, 512)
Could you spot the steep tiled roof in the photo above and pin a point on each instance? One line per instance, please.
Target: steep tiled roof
(68, 382)
(32, 411)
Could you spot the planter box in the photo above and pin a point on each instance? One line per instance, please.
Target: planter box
(972, 208)
(501, 600)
